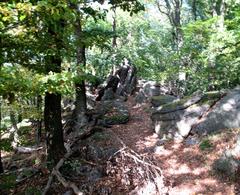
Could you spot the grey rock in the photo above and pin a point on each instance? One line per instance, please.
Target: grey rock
(192, 141)
(95, 174)
(94, 153)
(228, 166)
(140, 98)
(69, 192)
(224, 115)
(108, 94)
(160, 100)
(119, 113)
(175, 120)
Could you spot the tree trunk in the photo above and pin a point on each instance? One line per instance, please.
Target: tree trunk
(114, 40)
(52, 107)
(39, 121)
(14, 133)
(194, 10)
(1, 165)
(79, 115)
(53, 127)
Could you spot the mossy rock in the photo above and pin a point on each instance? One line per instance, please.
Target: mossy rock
(227, 167)
(115, 113)
(116, 119)
(161, 100)
(180, 104)
(210, 97)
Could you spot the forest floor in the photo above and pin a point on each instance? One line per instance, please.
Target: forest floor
(186, 168)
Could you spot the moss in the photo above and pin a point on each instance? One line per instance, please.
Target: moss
(205, 144)
(116, 119)
(100, 136)
(210, 97)
(8, 182)
(176, 105)
(207, 98)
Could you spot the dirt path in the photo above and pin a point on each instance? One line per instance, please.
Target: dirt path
(186, 168)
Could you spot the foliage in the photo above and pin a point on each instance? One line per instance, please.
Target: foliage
(205, 145)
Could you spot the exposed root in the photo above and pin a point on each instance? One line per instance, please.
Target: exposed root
(56, 172)
(136, 170)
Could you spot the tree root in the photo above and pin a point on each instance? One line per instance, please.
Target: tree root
(149, 173)
(56, 173)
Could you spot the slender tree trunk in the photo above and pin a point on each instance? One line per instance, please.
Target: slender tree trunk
(1, 164)
(194, 10)
(79, 115)
(15, 132)
(39, 121)
(114, 40)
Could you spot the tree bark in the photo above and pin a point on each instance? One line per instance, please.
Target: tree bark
(14, 133)
(79, 115)
(52, 107)
(1, 165)
(194, 10)
(39, 121)
(53, 127)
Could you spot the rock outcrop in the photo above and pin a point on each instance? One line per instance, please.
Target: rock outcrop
(122, 83)
(148, 89)
(228, 165)
(112, 112)
(224, 115)
(176, 119)
(160, 100)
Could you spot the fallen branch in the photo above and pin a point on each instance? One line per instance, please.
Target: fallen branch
(26, 150)
(68, 146)
(149, 173)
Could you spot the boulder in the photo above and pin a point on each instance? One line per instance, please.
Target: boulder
(160, 100)
(108, 94)
(148, 89)
(122, 83)
(112, 112)
(228, 165)
(175, 119)
(224, 115)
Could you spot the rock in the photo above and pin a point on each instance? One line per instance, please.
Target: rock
(140, 98)
(94, 153)
(160, 100)
(113, 113)
(128, 80)
(122, 83)
(151, 88)
(228, 166)
(69, 192)
(148, 89)
(224, 115)
(192, 141)
(95, 174)
(175, 120)
(236, 150)
(108, 94)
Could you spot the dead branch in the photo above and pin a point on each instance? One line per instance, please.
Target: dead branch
(26, 150)
(55, 172)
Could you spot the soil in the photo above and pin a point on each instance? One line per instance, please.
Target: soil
(186, 169)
